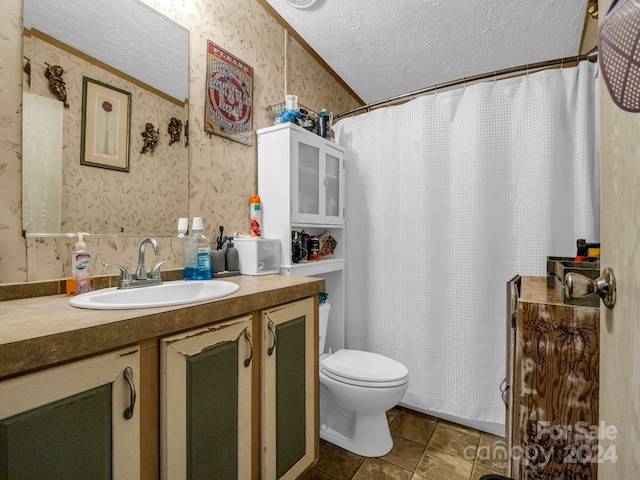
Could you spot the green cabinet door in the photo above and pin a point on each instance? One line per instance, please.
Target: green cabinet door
(68, 439)
(67, 422)
(206, 402)
(289, 390)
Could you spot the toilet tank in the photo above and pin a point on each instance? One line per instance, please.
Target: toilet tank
(325, 308)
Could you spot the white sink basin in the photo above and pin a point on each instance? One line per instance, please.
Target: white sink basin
(171, 293)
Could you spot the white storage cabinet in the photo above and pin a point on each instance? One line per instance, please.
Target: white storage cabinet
(301, 178)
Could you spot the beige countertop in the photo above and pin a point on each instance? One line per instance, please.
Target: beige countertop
(43, 331)
(534, 290)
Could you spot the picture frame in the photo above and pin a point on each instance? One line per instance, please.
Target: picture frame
(105, 126)
(228, 108)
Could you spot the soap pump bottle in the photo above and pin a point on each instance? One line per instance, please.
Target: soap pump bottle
(80, 281)
(231, 258)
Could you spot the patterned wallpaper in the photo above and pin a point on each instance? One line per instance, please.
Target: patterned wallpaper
(222, 173)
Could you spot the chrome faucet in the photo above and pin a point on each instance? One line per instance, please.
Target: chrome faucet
(141, 277)
(141, 273)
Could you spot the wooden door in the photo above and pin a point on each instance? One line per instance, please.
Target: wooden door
(556, 387)
(620, 326)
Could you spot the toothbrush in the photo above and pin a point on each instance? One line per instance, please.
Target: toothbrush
(219, 239)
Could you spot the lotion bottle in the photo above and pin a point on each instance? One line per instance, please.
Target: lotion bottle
(80, 281)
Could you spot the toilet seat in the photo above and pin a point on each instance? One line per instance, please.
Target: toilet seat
(364, 369)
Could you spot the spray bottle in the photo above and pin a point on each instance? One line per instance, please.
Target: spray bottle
(256, 216)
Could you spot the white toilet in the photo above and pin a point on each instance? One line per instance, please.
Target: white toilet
(356, 390)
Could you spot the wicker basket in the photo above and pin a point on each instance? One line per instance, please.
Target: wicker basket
(308, 119)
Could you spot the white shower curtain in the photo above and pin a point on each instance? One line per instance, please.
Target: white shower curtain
(447, 197)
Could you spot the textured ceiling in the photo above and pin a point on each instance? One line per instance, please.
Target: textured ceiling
(384, 48)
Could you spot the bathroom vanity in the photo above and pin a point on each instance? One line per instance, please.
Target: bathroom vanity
(165, 391)
(553, 385)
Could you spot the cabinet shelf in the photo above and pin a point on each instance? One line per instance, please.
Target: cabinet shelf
(317, 228)
(314, 268)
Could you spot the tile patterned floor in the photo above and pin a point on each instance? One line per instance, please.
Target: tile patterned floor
(424, 448)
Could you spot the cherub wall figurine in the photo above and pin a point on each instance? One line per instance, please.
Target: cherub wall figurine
(175, 129)
(56, 83)
(150, 137)
(27, 68)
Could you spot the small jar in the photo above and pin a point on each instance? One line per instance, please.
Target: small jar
(314, 249)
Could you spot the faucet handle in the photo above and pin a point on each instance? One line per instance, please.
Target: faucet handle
(125, 275)
(155, 271)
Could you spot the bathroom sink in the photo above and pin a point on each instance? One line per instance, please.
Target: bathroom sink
(171, 293)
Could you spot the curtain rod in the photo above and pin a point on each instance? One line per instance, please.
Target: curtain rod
(591, 55)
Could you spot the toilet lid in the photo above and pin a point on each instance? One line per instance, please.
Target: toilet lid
(364, 368)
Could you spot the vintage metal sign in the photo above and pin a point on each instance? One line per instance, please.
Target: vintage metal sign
(229, 103)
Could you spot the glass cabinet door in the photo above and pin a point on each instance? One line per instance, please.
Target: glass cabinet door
(317, 180)
(308, 179)
(332, 183)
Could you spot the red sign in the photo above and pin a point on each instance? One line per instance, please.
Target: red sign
(229, 103)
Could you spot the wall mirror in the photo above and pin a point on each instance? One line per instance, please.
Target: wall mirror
(125, 46)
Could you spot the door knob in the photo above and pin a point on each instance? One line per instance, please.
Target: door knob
(578, 286)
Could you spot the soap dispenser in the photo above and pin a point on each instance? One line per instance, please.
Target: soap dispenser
(80, 281)
(231, 258)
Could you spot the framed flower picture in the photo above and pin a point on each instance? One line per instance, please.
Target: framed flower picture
(106, 113)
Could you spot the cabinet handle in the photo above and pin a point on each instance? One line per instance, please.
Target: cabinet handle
(247, 335)
(272, 329)
(128, 376)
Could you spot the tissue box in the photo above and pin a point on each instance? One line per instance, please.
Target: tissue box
(258, 256)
